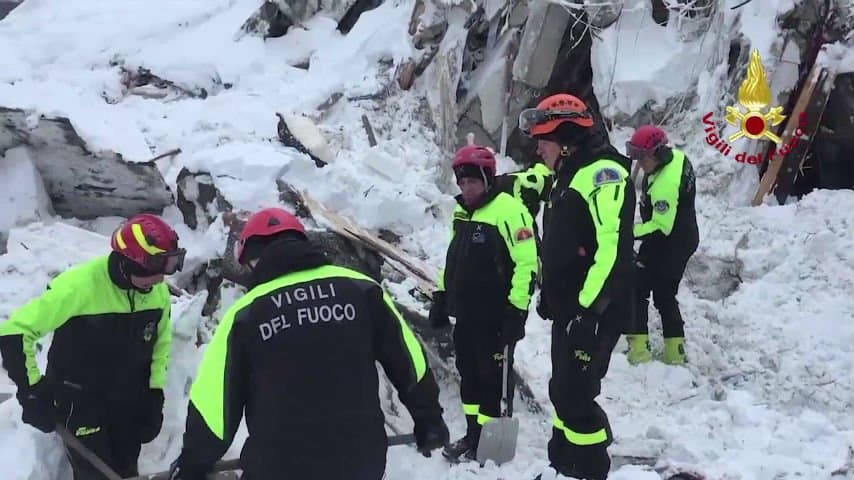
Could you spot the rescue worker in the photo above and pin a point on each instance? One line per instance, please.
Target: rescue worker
(489, 276)
(297, 354)
(669, 237)
(586, 285)
(112, 337)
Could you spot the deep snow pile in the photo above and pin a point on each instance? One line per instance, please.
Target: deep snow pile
(770, 383)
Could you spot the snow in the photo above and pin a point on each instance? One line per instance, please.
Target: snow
(25, 198)
(769, 388)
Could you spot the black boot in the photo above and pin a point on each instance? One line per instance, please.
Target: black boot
(465, 449)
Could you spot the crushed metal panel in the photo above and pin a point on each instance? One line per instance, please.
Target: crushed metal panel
(82, 184)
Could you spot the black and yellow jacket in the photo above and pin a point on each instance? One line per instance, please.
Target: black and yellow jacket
(587, 236)
(669, 230)
(108, 338)
(492, 256)
(296, 355)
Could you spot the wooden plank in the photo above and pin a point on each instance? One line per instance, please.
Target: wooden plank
(424, 275)
(769, 179)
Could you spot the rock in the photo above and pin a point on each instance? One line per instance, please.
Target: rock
(198, 198)
(80, 183)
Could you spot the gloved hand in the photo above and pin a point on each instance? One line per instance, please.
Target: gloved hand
(430, 434)
(38, 407)
(178, 472)
(513, 325)
(439, 311)
(151, 416)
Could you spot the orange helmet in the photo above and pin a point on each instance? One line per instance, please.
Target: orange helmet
(551, 112)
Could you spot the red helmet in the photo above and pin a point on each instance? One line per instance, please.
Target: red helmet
(149, 242)
(552, 112)
(264, 223)
(646, 140)
(475, 155)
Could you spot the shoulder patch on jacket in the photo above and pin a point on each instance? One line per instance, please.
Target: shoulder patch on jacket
(606, 175)
(524, 233)
(661, 206)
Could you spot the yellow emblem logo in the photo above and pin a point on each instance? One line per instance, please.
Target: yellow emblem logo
(754, 95)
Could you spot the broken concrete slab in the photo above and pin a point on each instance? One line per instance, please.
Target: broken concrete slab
(80, 183)
(540, 43)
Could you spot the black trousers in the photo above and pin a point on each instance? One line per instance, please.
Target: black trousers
(480, 363)
(109, 431)
(582, 432)
(661, 279)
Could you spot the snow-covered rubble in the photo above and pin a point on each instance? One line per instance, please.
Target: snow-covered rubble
(769, 386)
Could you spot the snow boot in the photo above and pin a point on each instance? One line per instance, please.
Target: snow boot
(674, 351)
(464, 449)
(638, 349)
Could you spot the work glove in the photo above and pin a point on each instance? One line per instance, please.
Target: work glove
(430, 434)
(151, 416)
(513, 325)
(439, 311)
(38, 406)
(178, 472)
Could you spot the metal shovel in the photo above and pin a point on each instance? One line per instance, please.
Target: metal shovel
(498, 436)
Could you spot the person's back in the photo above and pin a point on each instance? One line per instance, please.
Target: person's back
(298, 353)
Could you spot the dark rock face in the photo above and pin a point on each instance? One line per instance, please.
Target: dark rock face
(82, 184)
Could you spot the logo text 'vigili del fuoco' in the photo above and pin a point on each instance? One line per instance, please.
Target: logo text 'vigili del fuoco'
(755, 123)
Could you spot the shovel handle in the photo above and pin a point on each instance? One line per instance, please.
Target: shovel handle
(505, 395)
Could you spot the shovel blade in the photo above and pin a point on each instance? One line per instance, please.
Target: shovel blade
(498, 440)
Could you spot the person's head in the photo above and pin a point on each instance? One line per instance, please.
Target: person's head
(264, 227)
(648, 146)
(474, 168)
(148, 249)
(560, 124)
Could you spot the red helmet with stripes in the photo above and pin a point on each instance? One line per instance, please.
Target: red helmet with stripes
(149, 242)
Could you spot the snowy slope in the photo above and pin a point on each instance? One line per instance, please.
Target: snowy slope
(769, 388)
